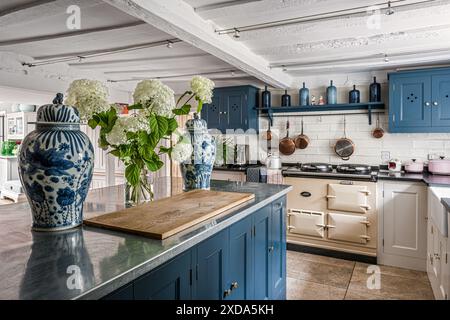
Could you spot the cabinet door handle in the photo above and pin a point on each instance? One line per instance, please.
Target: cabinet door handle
(224, 112)
(435, 103)
(226, 293)
(427, 104)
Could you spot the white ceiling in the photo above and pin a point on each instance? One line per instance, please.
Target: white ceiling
(38, 29)
(415, 34)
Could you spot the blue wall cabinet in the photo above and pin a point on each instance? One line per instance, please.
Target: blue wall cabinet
(232, 108)
(278, 250)
(419, 101)
(211, 268)
(245, 261)
(240, 276)
(172, 281)
(441, 100)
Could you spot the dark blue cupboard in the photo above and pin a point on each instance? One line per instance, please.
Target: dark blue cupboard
(419, 101)
(232, 108)
(244, 261)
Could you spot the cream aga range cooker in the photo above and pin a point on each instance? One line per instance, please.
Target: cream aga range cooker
(333, 207)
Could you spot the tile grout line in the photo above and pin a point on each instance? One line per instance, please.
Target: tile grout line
(353, 270)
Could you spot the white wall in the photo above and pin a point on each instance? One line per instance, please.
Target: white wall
(324, 130)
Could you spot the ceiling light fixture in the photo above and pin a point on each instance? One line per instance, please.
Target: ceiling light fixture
(386, 58)
(101, 53)
(325, 16)
(284, 68)
(237, 33)
(232, 73)
(389, 10)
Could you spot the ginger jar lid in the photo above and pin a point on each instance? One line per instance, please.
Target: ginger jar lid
(58, 112)
(196, 124)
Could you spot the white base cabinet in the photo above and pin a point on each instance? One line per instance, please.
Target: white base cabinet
(437, 262)
(403, 225)
(438, 267)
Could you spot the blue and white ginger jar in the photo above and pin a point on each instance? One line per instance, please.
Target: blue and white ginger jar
(55, 166)
(197, 172)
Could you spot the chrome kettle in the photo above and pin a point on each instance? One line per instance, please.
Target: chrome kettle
(273, 161)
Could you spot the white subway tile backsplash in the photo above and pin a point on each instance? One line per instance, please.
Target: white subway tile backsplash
(325, 130)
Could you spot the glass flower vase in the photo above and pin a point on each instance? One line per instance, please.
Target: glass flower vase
(140, 193)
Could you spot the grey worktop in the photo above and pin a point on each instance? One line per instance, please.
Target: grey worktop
(236, 168)
(43, 265)
(427, 178)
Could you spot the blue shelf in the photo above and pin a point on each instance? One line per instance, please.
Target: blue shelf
(333, 108)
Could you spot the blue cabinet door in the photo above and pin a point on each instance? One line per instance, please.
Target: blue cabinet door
(277, 250)
(212, 112)
(211, 268)
(441, 100)
(410, 103)
(234, 109)
(124, 293)
(240, 275)
(261, 220)
(172, 281)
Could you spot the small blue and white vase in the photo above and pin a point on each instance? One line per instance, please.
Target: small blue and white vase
(197, 172)
(55, 166)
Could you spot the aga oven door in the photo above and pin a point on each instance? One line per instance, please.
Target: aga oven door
(347, 196)
(349, 228)
(307, 223)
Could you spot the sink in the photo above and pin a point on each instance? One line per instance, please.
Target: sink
(436, 210)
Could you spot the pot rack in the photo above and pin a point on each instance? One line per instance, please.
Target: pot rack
(324, 110)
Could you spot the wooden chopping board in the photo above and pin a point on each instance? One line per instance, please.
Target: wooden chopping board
(163, 218)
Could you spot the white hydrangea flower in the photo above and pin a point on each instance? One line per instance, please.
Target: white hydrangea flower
(203, 88)
(182, 152)
(156, 97)
(88, 96)
(118, 134)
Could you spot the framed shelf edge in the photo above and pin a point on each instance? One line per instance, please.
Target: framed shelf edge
(333, 109)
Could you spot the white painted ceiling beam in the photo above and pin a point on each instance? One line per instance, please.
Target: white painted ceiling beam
(223, 4)
(178, 19)
(34, 10)
(75, 33)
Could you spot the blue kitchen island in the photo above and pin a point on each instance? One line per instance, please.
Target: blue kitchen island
(240, 254)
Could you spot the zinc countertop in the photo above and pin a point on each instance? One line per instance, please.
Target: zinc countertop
(88, 262)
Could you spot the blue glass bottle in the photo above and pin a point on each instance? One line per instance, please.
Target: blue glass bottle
(304, 96)
(266, 98)
(375, 91)
(354, 96)
(285, 99)
(331, 94)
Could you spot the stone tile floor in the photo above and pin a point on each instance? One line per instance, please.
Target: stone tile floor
(313, 277)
